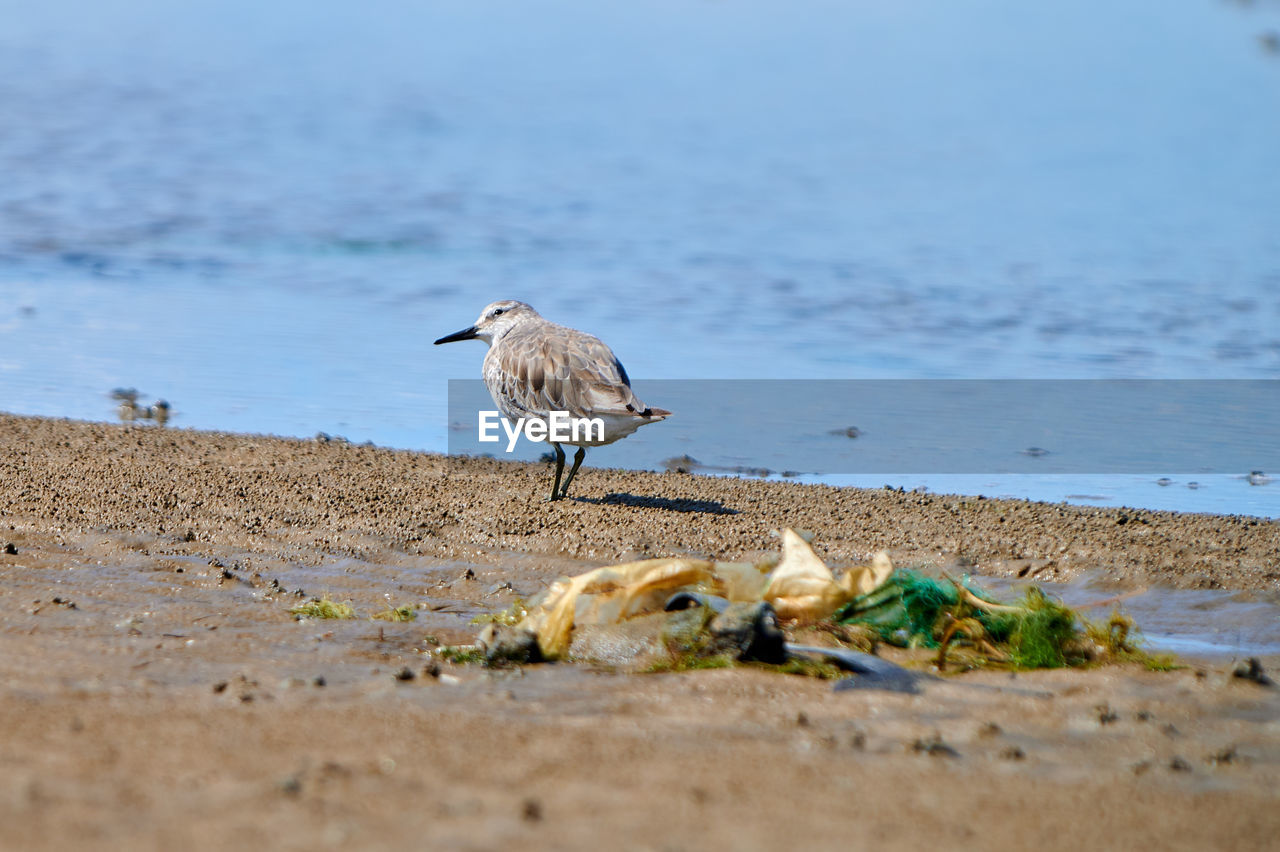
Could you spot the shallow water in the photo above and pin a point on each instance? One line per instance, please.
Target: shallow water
(265, 214)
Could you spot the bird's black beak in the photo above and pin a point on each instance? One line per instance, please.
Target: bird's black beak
(465, 334)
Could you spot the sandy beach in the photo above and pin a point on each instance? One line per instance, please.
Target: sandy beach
(157, 693)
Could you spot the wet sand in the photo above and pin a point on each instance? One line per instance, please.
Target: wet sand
(157, 693)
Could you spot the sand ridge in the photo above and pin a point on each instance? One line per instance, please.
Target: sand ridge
(337, 496)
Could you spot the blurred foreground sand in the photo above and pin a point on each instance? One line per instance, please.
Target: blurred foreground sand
(156, 693)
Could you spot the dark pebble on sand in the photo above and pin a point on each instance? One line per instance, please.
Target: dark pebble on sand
(10, 548)
(1251, 669)
(1226, 755)
(934, 746)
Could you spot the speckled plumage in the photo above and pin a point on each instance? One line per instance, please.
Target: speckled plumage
(534, 367)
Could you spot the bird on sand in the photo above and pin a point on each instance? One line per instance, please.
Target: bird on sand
(535, 367)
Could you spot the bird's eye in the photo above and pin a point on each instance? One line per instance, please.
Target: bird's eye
(499, 312)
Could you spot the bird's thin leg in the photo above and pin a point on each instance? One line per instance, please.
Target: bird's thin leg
(555, 488)
(577, 461)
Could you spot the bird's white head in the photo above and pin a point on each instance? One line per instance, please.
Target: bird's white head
(495, 320)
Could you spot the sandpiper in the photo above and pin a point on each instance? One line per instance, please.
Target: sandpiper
(535, 367)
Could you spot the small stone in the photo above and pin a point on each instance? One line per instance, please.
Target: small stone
(1226, 755)
(749, 631)
(934, 746)
(1250, 669)
(220, 687)
(318, 681)
(531, 810)
(1013, 753)
(1179, 765)
(10, 548)
(405, 673)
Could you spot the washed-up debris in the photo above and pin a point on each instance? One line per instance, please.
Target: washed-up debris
(799, 587)
(911, 610)
(677, 614)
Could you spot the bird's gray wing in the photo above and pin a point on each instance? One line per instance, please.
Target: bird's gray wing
(560, 369)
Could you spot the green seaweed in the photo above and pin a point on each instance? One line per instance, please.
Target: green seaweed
(1041, 635)
(398, 613)
(461, 654)
(323, 607)
(509, 617)
(1117, 637)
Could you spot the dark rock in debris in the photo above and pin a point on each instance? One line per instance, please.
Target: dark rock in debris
(503, 644)
(1251, 669)
(749, 631)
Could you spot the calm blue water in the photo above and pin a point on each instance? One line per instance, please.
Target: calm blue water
(265, 212)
